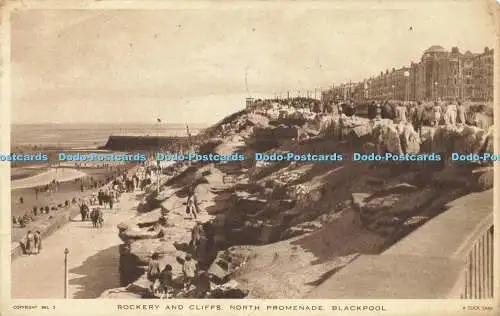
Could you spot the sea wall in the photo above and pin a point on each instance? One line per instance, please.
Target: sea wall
(127, 143)
(48, 226)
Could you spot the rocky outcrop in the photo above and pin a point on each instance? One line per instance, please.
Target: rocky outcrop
(307, 196)
(398, 209)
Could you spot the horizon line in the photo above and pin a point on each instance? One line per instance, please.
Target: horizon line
(110, 123)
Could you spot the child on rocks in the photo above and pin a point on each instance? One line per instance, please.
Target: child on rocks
(153, 272)
(189, 271)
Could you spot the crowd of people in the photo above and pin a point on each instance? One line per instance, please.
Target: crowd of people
(33, 243)
(36, 211)
(91, 207)
(109, 193)
(419, 114)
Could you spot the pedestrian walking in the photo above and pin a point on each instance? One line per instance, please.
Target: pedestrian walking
(195, 236)
(37, 242)
(30, 243)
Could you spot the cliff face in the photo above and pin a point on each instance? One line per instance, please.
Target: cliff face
(279, 221)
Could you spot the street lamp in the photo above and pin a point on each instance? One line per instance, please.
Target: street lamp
(406, 74)
(66, 252)
(435, 90)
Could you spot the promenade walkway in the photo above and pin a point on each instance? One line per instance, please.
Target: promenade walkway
(92, 261)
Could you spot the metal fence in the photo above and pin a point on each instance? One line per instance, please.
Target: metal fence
(478, 278)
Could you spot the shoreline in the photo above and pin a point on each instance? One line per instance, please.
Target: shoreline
(44, 178)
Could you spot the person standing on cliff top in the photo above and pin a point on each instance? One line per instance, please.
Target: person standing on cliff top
(437, 110)
(460, 113)
(400, 113)
(450, 115)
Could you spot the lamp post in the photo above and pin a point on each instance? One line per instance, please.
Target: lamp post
(66, 252)
(158, 173)
(435, 90)
(407, 75)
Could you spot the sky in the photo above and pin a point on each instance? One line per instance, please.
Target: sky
(191, 65)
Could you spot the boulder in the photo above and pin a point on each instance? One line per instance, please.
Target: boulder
(380, 203)
(295, 231)
(122, 293)
(387, 138)
(484, 180)
(229, 290)
(414, 202)
(469, 139)
(415, 221)
(487, 146)
(268, 233)
(369, 147)
(387, 220)
(361, 131)
(358, 200)
(410, 140)
(443, 140)
(220, 271)
(399, 188)
(328, 125)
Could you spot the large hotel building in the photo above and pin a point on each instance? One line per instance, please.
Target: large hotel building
(440, 74)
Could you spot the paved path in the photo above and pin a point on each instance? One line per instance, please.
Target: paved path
(92, 261)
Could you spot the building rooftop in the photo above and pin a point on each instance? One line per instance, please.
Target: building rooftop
(435, 49)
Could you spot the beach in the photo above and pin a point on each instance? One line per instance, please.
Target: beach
(44, 178)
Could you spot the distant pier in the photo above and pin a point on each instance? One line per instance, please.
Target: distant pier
(128, 143)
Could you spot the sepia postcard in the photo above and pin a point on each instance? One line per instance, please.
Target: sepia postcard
(249, 157)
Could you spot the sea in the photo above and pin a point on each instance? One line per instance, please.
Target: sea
(90, 135)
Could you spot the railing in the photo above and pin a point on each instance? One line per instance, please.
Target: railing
(477, 279)
(449, 257)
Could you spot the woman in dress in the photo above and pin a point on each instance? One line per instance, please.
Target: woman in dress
(39, 244)
(30, 243)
